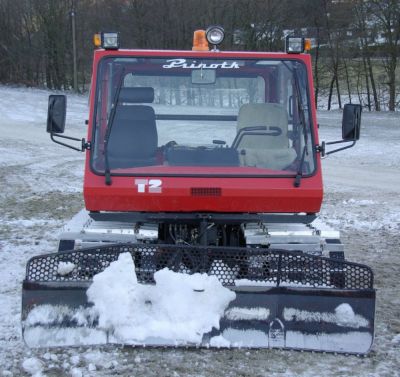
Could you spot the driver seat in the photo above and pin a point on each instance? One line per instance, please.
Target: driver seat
(268, 148)
(133, 140)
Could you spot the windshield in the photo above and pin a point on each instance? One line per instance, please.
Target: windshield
(202, 117)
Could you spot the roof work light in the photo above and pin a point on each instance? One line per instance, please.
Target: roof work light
(107, 40)
(297, 45)
(294, 45)
(215, 35)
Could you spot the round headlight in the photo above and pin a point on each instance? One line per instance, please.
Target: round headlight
(215, 35)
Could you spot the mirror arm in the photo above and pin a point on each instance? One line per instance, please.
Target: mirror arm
(321, 148)
(84, 145)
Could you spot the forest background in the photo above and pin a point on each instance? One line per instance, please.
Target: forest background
(355, 43)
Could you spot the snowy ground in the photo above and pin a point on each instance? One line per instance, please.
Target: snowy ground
(41, 190)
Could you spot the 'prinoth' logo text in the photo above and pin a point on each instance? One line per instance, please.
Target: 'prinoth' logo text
(181, 63)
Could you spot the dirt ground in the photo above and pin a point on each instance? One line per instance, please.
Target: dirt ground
(41, 190)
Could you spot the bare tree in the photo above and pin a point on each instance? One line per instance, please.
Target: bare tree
(355, 40)
(365, 31)
(387, 14)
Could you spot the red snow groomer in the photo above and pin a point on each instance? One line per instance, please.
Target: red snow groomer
(206, 161)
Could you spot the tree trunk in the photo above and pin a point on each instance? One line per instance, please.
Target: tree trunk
(367, 84)
(347, 80)
(392, 90)
(338, 92)
(373, 85)
(330, 91)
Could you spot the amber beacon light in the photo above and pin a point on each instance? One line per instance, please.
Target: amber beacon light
(200, 41)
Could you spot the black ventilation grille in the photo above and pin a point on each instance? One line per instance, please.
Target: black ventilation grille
(206, 191)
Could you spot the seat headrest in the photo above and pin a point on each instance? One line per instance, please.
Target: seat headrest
(270, 115)
(136, 95)
(262, 114)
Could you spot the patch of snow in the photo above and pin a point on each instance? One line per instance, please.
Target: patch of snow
(46, 314)
(92, 367)
(396, 339)
(245, 338)
(109, 364)
(247, 314)
(361, 202)
(76, 372)
(98, 359)
(344, 316)
(178, 307)
(65, 268)
(219, 342)
(43, 336)
(50, 356)
(254, 283)
(75, 359)
(282, 283)
(33, 366)
(58, 314)
(294, 284)
(354, 341)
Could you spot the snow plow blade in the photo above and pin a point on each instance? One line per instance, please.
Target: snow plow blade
(283, 299)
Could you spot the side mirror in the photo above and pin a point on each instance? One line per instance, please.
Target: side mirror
(56, 122)
(56, 113)
(351, 122)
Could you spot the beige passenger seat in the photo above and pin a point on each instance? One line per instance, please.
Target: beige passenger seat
(268, 147)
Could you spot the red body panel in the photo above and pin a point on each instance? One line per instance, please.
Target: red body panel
(249, 195)
(234, 195)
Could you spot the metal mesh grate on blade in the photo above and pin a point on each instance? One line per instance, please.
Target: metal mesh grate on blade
(240, 266)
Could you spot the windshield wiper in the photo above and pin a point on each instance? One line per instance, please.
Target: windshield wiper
(110, 123)
(300, 167)
(300, 109)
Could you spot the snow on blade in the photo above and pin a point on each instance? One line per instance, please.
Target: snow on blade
(346, 342)
(247, 314)
(45, 326)
(344, 316)
(64, 268)
(219, 342)
(282, 283)
(178, 307)
(248, 282)
(43, 336)
(57, 314)
(245, 338)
